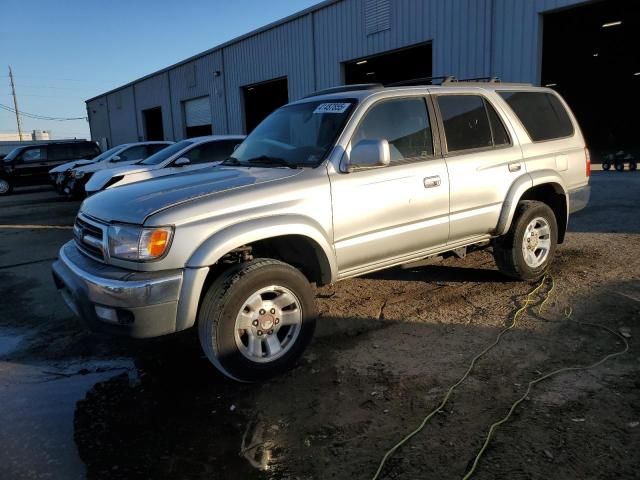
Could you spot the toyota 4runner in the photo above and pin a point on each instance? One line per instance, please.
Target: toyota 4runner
(342, 183)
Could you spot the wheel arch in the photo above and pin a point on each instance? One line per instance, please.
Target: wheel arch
(294, 239)
(545, 186)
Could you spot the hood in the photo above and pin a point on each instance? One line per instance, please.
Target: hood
(135, 202)
(99, 179)
(66, 166)
(94, 167)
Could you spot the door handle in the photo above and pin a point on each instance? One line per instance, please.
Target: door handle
(430, 182)
(515, 167)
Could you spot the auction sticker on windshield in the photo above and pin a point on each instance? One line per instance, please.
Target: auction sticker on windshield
(332, 108)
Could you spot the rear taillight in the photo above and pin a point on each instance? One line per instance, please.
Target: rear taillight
(587, 158)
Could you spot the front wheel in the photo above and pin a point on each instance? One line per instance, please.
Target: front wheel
(620, 167)
(256, 319)
(527, 249)
(606, 165)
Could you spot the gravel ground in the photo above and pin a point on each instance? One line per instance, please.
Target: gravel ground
(388, 346)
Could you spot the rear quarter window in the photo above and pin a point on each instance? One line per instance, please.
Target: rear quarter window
(542, 114)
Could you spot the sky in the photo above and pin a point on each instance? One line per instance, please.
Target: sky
(64, 52)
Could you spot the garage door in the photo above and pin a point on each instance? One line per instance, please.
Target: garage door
(197, 116)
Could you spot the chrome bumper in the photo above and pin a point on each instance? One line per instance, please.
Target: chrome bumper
(579, 198)
(137, 304)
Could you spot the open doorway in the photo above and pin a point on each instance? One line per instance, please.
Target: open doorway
(590, 56)
(153, 128)
(389, 67)
(263, 98)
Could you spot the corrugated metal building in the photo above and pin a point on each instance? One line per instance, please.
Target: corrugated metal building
(332, 43)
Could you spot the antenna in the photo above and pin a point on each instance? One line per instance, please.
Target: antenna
(15, 103)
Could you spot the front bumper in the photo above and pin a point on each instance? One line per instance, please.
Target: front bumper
(579, 198)
(115, 300)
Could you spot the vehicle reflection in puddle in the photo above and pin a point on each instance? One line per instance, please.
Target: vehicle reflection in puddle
(38, 403)
(181, 421)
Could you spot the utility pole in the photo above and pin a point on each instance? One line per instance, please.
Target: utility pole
(15, 103)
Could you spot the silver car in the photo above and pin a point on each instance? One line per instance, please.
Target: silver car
(339, 184)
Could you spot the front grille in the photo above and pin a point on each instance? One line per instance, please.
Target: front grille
(89, 237)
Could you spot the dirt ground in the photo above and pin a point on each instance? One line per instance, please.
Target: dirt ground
(387, 348)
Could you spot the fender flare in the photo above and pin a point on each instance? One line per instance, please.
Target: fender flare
(225, 240)
(520, 186)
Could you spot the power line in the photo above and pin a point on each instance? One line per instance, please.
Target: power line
(39, 117)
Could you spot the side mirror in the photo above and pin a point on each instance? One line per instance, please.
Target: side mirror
(369, 154)
(115, 159)
(181, 162)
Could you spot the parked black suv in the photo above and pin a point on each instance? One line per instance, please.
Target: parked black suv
(30, 164)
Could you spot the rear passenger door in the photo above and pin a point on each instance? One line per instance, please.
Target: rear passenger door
(483, 159)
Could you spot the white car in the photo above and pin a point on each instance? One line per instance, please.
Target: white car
(184, 156)
(73, 180)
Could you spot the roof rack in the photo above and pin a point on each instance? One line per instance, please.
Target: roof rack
(474, 79)
(422, 81)
(346, 88)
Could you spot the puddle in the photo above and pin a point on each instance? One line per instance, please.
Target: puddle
(37, 416)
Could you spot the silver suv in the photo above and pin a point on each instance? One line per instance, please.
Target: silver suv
(336, 185)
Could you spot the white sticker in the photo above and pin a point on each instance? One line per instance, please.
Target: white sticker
(332, 108)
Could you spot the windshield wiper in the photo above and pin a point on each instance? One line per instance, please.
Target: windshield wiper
(272, 161)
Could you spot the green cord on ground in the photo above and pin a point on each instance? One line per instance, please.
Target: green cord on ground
(546, 376)
(531, 384)
(445, 399)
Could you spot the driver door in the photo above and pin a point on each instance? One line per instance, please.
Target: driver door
(382, 215)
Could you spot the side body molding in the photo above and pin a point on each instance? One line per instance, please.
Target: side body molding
(519, 187)
(225, 240)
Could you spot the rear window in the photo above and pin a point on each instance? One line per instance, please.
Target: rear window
(542, 114)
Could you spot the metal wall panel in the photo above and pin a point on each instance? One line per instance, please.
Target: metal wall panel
(122, 117)
(470, 38)
(150, 93)
(99, 120)
(206, 83)
(284, 51)
(517, 37)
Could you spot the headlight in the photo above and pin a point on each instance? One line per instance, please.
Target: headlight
(77, 174)
(129, 242)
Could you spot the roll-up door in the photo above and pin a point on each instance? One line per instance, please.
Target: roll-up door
(197, 117)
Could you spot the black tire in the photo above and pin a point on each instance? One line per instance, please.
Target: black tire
(224, 300)
(633, 166)
(507, 250)
(606, 166)
(6, 186)
(620, 167)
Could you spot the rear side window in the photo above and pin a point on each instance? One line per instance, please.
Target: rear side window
(134, 153)
(466, 124)
(500, 135)
(32, 155)
(542, 114)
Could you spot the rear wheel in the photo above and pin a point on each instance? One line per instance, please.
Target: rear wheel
(633, 166)
(620, 167)
(606, 165)
(5, 186)
(256, 319)
(527, 249)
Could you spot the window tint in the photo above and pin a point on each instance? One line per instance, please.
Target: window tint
(61, 152)
(466, 124)
(38, 154)
(134, 153)
(404, 124)
(211, 152)
(156, 147)
(541, 113)
(500, 135)
(86, 150)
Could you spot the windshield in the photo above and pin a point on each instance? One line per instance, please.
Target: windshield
(297, 135)
(107, 154)
(165, 153)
